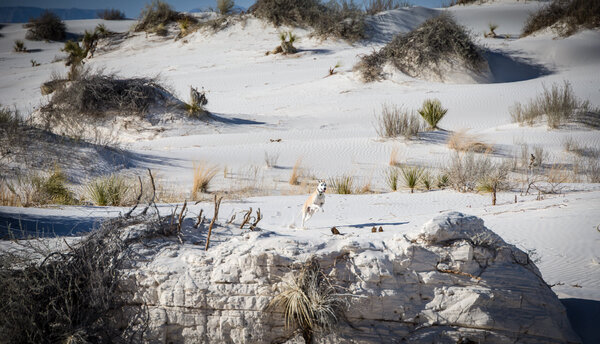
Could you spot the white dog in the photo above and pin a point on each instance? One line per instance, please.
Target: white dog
(314, 202)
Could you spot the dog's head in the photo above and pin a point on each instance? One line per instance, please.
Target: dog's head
(322, 187)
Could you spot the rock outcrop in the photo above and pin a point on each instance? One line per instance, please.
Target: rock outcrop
(454, 282)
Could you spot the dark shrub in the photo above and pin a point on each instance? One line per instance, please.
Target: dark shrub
(573, 13)
(111, 14)
(47, 26)
(159, 14)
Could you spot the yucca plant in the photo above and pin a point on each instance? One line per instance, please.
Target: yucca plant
(442, 180)
(19, 46)
(343, 185)
(411, 176)
(109, 190)
(426, 180)
(310, 301)
(432, 112)
(76, 55)
(391, 178)
(101, 30)
(287, 42)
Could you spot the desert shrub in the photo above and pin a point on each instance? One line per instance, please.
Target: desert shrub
(47, 26)
(411, 175)
(70, 294)
(52, 189)
(376, 6)
(558, 105)
(343, 185)
(75, 56)
(108, 190)
(197, 101)
(391, 177)
(572, 13)
(97, 95)
(395, 121)
(310, 301)
(225, 6)
(435, 41)
(19, 46)
(111, 14)
(343, 20)
(494, 180)
(461, 141)
(432, 112)
(203, 175)
(465, 170)
(271, 159)
(156, 15)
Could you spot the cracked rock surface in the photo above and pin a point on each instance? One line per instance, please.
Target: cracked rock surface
(454, 281)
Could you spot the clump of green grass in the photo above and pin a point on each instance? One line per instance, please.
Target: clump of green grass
(52, 189)
(343, 185)
(432, 112)
(411, 176)
(108, 190)
(391, 177)
(19, 46)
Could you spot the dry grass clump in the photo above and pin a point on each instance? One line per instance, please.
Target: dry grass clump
(108, 190)
(572, 14)
(70, 294)
(52, 189)
(465, 170)
(436, 41)
(343, 185)
(310, 302)
(157, 15)
(432, 112)
(111, 14)
(203, 175)
(461, 141)
(94, 95)
(339, 19)
(558, 105)
(395, 121)
(46, 27)
(296, 172)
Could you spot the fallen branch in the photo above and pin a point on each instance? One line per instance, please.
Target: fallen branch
(212, 222)
(256, 220)
(137, 201)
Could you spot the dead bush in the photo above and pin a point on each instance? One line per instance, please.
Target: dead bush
(461, 141)
(395, 121)
(94, 95)
(572, 14)
(46, 27)
(465, 170)
(111, 14)
(435, 41)
(71, 294)
(335, 19)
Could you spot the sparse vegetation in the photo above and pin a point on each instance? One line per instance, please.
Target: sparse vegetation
(395, 121)
(34, 63)
(432, 112)
(203, 175)
(76, 55)
(426, 180)
(52, 189)
(492, 32)
(558, 105)
(287, 42)
(376, 6)
(46, 27)
(225, 6)
(411, 176)
(461, 141)
(108, 190)
(391, 178)
(343, 185)
(198, 100)
(157, 15)
(424, 50)
(296, 171)
(309, 301)
(494, 181)
(568, 16)
(465, 170)
(111, 14)
(19, 46)
(271, 159)
(334, 19)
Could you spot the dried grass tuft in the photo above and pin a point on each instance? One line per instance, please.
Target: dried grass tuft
(461, 141)
(203, 175)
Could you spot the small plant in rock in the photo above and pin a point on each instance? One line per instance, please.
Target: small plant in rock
(47, 26)
(411, 176)
(309, 301)
(391, 177)
(19, 46)
(203, 175)
(394, 122)
(225, 6)
(432, 112)
(343, 185)
(109, 190)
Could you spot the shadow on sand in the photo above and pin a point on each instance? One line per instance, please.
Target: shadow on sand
(583, 315)
(506, 68)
